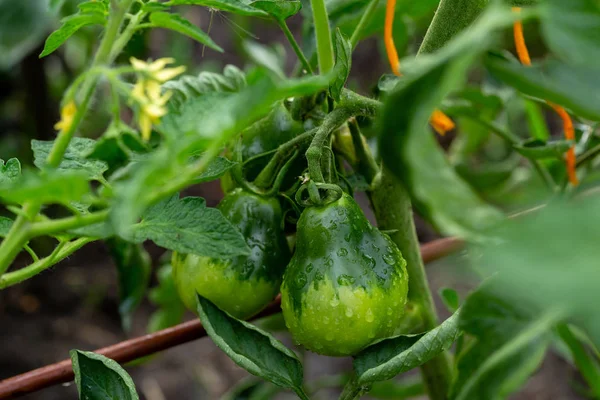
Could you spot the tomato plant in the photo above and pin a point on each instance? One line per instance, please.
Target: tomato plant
(458, 132)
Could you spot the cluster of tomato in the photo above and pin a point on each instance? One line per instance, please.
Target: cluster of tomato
(343, 286)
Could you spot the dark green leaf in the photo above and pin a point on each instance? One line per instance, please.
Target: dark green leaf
(538, 149)
(133, 267)
(177, 23)
(450, 298)
(234, 6)
(251, 348)
(188, 226)
(572, 32)
(215, 170)
(23, 26)
(510, 346)
(74, 158)
(100, 378)
(5, 224)
(278, 9)
(393, 356)
(343, 63)
(60, 188)
(10, 171)
(116, 146)
(574, 87)
(69, 26)
(166, 298)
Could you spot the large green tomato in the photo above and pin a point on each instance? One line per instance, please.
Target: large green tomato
(263, 136)
(346, 284)
(243, 285)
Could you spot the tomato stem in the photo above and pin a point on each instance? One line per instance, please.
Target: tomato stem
(393, 211)
(290, 37)
(323, 36)
(364, 20)
(367, 165)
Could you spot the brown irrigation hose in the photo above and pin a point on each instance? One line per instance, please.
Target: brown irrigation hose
(139, 347)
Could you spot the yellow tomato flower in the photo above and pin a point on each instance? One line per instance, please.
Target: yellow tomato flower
(147, 91)
(67, 114)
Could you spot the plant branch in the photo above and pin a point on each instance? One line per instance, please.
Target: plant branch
(351, 105)
(290, 37)
(132, 349)
(61, 251)
(393, 211)
(364, 20)
(51, 227)
(323, 36)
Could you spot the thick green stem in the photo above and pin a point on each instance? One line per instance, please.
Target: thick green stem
(323, 36)
(62, 251)
(451, 17)
(351, 105)
(295, 46)
(364, 20)
(284, 151)
(17, 236)
(393, 211)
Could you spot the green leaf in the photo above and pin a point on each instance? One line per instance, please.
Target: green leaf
(188, 226)
(390, 357)
(60, 188)
(343, 63)
(116, 146)
(572, 32)
(450, 298)
(252, 348)
(539, 149)
(535, 120)
(74, 158)
(234, 6)
(133, 267)
(9, 172)
(5, 224)
(100, 378)
(177, 23)
(510, 346)
(278, 9)
(533, 251)
(188, 87)
(270, 57)
(23, 26)
(200, 124)
(573, 87)
(215, 170)
(69, 26)
(166, 298)
(154, 6)
(412, 153)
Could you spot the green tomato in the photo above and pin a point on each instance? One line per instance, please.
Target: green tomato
(243, 285)
(263, 136)
(346, 285)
